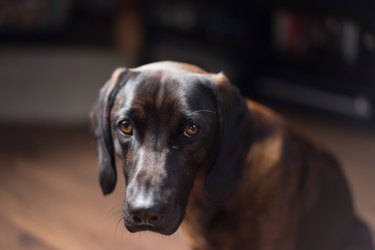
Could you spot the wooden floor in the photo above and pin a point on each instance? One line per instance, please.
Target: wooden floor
(50, 198)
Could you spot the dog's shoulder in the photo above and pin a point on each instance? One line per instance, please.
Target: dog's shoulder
(268, 134)
(271, 131)
(281, 149)
(278, 147)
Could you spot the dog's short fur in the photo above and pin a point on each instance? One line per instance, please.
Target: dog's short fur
(193, 148)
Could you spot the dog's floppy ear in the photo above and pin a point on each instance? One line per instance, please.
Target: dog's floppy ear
(101, 126)
(234, 140)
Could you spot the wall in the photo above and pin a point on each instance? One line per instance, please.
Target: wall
(39, 85)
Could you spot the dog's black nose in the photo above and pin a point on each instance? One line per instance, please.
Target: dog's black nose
(146, 216)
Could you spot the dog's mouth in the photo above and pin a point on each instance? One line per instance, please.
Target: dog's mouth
(167, 225)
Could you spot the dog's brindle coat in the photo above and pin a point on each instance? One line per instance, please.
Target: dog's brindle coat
(192, 147)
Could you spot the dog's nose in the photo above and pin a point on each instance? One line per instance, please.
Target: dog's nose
(148, 216)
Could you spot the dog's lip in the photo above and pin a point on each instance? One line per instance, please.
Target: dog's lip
(169, 225)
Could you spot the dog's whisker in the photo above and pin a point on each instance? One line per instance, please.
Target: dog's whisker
(115, 214)
(115, 207)
(111, 213)
(119, 225)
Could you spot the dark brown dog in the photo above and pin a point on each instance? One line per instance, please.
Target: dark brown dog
(192, 147)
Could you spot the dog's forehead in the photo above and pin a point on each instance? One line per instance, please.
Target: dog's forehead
(163, 87)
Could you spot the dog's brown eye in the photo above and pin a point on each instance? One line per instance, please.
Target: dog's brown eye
(191, 130)
(126, 127)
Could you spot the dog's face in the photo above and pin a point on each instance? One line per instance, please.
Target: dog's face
(164, 122)
(163, 129)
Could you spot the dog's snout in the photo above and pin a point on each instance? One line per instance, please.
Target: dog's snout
(146, 215)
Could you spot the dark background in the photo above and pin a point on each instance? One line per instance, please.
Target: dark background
(315, 56)
(312, 61)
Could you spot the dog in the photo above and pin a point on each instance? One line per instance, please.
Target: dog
(194, 150)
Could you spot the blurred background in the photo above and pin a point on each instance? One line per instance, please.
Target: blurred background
(314, 62)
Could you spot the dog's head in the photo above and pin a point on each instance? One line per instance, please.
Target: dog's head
(165, 121)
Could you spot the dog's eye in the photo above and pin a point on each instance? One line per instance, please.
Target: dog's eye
(126, 127)
(191, 130)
